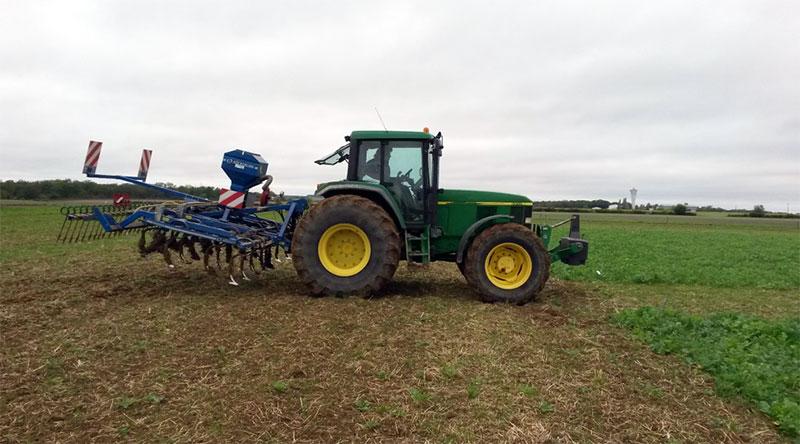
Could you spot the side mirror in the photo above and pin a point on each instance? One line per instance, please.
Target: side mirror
(437, 144)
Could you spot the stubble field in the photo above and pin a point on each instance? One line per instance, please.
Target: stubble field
(99, 345)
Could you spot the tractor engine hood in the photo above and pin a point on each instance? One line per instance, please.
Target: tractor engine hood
(481, 198)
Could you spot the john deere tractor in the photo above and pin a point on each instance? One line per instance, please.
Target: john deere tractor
(391, 208)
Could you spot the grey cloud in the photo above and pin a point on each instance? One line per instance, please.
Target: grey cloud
(687, 101)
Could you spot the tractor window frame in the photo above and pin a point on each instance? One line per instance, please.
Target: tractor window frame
(361, 174)
(429, 172)
(432, 155)
(342, 154)
(385, 181)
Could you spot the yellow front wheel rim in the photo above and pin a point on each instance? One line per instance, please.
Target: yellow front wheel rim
(508, 266)
(344, 250)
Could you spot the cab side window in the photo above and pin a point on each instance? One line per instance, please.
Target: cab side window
(369, 161)
(403, 176)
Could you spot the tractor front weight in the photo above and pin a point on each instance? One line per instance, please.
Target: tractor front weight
(571, 250)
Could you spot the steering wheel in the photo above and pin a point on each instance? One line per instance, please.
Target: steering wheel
(405, 177)
(414, 185)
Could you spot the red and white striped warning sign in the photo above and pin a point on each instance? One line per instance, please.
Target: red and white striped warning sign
(144, 164)
(230, 198)
(92, 156)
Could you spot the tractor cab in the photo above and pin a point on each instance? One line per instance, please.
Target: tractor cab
(404, 164)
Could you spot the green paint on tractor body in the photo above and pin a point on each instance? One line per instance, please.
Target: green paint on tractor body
(458, 210)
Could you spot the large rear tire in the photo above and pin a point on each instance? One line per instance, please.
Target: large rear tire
(507, 263)
(345, 245)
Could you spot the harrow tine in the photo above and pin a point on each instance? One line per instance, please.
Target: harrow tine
(181, 245)
(75, 224)
(89, 224)
(207, 248)
(90, 230)
(142, 245)
(230, 274)
(267, 258)
(162, 246)
(182, 257)
(155, 245)
(254, 254)
(190, 246)
(81, 226)
(175, 245)
(217, 247)
(70, 229)
(96, 231)
(242, 257)
(237, 260)
(167, 257)
(87, 229)
(101, 233)
(64, 212)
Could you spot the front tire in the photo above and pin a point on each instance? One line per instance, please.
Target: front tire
(345, 245)
(507, 263)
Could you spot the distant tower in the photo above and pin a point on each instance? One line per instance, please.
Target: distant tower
(633, 197)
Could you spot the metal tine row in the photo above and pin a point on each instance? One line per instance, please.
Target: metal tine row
(80, 223)
(236, 262)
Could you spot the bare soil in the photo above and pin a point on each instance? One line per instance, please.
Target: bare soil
(109, 348)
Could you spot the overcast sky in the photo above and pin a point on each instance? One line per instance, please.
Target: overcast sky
(688, 101)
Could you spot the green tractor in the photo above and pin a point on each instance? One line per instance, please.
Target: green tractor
(391, 207)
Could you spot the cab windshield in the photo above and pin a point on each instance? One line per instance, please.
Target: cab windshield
(341, 154)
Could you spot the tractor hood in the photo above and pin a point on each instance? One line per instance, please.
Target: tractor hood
(481, 197)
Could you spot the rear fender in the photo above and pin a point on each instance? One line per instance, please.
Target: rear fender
(377, 194)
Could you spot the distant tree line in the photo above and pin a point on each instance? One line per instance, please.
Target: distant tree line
(74, 189)
(598, 203)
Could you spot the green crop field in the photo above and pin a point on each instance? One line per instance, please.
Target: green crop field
(708, 251)
(100, 345)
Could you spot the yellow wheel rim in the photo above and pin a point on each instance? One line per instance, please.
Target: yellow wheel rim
(344, 250)
(508, 266)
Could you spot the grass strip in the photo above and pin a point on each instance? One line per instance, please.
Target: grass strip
(687, 255)
(754, 358)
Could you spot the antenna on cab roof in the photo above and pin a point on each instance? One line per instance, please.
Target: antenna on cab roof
(381, 118)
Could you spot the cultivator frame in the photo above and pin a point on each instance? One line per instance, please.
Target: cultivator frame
(247, 239)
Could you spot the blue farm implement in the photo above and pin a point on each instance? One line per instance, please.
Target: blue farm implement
(232, 227)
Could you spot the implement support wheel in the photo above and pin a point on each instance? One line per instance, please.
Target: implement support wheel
(507, 263)
(345, 245)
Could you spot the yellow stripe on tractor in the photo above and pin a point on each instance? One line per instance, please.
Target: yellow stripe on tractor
(518, 204)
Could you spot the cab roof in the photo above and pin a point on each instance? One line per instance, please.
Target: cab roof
(384, 134)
